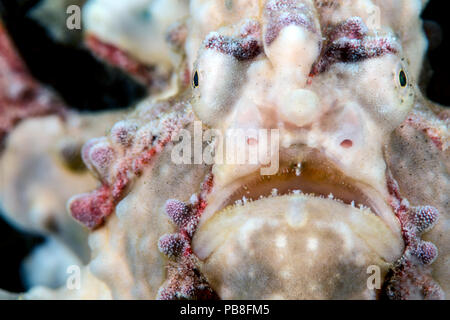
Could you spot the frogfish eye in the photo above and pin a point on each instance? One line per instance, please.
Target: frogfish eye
(402, 78)
(195, 80)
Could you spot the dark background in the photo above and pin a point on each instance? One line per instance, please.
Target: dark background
(88, 84)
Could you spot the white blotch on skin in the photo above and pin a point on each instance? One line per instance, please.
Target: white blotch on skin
(312, 244)
(281, 241)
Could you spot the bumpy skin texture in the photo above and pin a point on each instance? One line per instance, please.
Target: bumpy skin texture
(363, 159)
(419, 152)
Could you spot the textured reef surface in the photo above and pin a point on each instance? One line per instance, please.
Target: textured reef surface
(358, 204)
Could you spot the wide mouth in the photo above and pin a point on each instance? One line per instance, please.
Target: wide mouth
(315, 179)
(297, 179)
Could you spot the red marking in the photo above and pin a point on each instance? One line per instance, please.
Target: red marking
(419, 123)
(188, 251)
(115, 193)
(241, 49)
(184, 279)
(252, 141)
(409, 278)
(142, 161)
(21, 96)
(92, 209)
(120, 184)
(117, 188)
(352, 28)
(347, 143)
(348, 42)
(119, 59)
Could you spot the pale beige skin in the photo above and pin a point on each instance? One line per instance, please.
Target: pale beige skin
(410, 150)
(129, 24)
(294, 247)
(41, 169)
(299, 246)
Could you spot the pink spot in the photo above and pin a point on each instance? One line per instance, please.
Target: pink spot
(347, 143)
(252, 141)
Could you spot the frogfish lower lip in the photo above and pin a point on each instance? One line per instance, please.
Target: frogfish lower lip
(297, 208)
(285, 246)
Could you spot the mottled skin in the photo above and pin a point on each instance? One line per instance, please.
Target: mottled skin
(354, 130)
(414, 155)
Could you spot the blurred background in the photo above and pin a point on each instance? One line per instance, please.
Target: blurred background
(87, 84)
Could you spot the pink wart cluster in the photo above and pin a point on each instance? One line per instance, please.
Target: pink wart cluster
(350, 42)
(410, 278)
(116, 161)
(184, 280)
